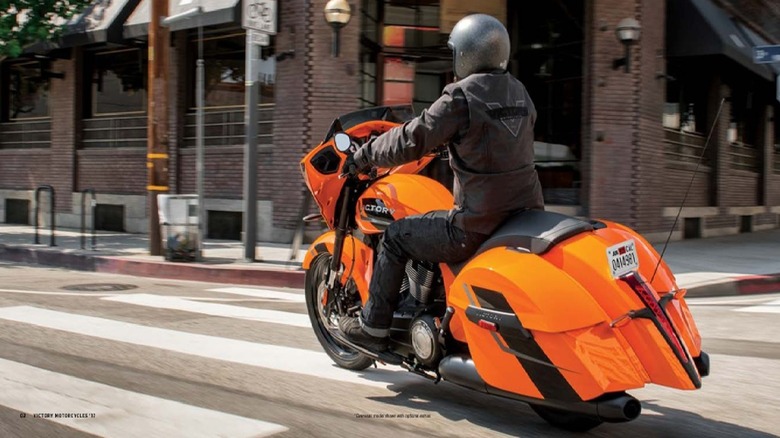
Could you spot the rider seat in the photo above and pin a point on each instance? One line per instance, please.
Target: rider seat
(533, 231)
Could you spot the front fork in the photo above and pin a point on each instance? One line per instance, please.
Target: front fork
(336, 267)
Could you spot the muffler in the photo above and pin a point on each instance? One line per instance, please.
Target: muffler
(612, 408)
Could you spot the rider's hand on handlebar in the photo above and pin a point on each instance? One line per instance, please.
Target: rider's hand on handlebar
(350, 167)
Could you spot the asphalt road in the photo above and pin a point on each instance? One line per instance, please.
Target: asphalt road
(85, 354)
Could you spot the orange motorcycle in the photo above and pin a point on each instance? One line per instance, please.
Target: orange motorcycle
(563, 313)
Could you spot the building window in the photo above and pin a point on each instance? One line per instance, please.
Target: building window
(225, 65)
(685, 115)
(27, 91)
(743, 133)
(685, 108)
(547, 47)
(118, 79)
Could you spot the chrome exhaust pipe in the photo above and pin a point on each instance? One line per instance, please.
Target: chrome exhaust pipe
(612, 408)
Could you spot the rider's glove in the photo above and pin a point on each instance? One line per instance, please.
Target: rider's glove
(354, 167)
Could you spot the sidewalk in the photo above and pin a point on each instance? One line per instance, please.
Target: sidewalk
(731, 265)
(128, 254)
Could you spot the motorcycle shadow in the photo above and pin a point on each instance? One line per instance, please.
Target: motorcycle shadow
(515, 418)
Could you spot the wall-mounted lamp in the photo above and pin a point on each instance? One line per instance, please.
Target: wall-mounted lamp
(337, 14)
(627, 32)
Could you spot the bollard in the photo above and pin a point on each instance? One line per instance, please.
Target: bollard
(83, 225)
(50, 189)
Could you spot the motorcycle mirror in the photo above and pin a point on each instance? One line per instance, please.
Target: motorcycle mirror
(342, 141)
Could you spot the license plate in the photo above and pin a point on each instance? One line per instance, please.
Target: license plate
(622, 258)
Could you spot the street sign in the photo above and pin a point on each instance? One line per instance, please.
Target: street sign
(259, 38)
(766, 54)
(259, 15)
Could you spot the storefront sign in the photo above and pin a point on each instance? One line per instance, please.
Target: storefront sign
(453, 10)
(259, 15)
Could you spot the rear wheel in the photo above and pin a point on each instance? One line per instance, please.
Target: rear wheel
(571, 421)
(323, 315)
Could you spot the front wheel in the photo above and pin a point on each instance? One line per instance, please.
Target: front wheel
(323, 315)
(571, 421)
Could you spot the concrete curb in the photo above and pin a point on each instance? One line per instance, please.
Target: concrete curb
(246, 275)
(258, 275)
(747, 285)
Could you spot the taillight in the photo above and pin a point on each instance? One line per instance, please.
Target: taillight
(642, 289)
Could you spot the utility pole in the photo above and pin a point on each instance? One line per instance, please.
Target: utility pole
(157, 112)
(250, 150)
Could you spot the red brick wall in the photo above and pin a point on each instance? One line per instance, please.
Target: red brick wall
(65, 111)
(278, 172)
(648, 148)
(676, 182)
(742, 189)
(311, 90)
(113, 170)
(24, 169)
(613, 100)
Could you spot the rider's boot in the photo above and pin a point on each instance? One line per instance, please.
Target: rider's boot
(354, 332)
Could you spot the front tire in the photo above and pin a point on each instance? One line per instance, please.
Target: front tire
(322, 318)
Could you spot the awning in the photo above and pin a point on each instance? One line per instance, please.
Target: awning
(100, 22)
(701, 28)
(214, 12)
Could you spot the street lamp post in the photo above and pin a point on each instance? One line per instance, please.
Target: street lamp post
(337, 14)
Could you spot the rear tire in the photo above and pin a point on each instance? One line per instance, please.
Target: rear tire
(571, 421)
(315, 286)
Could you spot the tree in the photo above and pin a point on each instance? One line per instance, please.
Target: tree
(23, 22)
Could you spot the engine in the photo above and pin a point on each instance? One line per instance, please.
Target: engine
(422, 282)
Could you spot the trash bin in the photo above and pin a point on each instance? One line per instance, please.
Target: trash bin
(179, 227)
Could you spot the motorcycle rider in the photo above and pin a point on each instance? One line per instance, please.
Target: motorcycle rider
(486, 119)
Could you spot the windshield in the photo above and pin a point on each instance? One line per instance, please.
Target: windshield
(396, 114)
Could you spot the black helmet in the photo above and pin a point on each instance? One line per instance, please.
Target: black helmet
(479, 42)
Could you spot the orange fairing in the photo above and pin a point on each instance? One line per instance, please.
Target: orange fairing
(397, 196)
(357, 259)
(322, 163)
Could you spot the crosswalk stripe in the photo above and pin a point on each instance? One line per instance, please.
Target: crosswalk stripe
(768, 307)
(275, 357)
(72, 401)
(262, 293)
(214, 309)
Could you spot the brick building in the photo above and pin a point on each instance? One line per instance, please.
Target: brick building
(611, 143)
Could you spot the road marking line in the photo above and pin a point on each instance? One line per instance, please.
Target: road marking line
(117, 412)
(275, 357)
(67, 294)
(262, 293)
(225, 310)
(768, 307)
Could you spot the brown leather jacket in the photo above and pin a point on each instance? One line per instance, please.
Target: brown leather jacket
(487, 121)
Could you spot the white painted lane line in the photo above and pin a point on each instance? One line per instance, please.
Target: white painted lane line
(262, 293)
(275, 357)
(66, 294)
(769, 307)
(117, 412)
(224, 310)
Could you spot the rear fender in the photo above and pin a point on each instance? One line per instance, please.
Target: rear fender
(357, 259)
